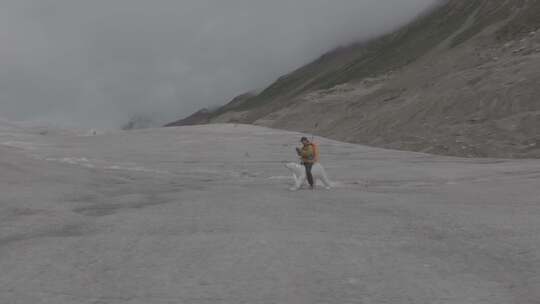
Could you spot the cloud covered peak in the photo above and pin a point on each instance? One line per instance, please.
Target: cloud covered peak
(100, 62)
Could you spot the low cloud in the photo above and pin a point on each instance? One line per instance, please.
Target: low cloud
(97, 63)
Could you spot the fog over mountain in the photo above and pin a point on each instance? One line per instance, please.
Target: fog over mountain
(100, 62)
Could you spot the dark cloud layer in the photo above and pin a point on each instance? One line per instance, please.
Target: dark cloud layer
(96, 63)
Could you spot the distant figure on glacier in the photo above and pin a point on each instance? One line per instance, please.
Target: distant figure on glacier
(308, 155)
(311, 169)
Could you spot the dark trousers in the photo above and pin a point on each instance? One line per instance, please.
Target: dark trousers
(308, 173)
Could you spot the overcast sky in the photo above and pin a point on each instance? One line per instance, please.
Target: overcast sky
(95, 63)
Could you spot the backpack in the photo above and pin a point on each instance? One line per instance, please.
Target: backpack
(316, 154)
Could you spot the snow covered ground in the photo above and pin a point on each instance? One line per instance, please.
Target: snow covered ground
(203, 215)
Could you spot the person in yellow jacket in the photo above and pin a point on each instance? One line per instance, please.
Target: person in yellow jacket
(308, 157)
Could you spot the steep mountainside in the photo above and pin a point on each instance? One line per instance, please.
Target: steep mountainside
(198, 118)
(462, 80)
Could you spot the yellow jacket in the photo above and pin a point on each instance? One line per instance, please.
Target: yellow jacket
(307, 153)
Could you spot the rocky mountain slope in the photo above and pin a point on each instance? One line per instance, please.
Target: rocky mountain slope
(463, 79)
(200, 117)
(204, 116)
